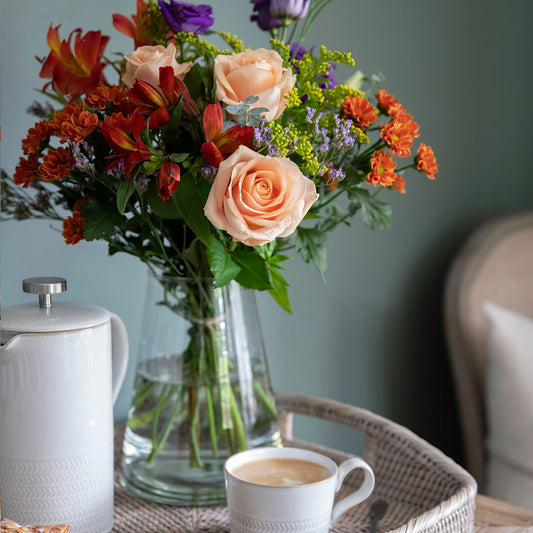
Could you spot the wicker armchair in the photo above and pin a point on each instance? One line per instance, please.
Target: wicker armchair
(496, 264)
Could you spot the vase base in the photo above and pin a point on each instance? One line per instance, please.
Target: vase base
(161, 487)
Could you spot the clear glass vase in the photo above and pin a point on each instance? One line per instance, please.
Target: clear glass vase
(201, 391)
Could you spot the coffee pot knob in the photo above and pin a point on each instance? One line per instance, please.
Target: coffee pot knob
(44, 286)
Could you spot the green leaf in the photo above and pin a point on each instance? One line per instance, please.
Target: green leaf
(125, 190)
(178, 158)
(376, 214)
(279, 290)
(101, 220)
(254, 273)
(152, 165)
(310, 244)
(161, 209)
(189, 200)
(222, 266)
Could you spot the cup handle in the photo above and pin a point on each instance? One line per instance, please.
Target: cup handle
(119, 353)
(361, 494)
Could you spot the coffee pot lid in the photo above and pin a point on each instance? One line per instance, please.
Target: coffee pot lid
(47, 317)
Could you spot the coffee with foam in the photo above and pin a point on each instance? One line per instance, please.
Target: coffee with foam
(281, 472)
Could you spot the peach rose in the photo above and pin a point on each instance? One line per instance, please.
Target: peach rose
(254, 73)
(143, 64)
(256, 198)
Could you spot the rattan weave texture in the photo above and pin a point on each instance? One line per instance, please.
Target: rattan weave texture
(426, 492)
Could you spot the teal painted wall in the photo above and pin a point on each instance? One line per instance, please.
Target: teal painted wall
(373, 335)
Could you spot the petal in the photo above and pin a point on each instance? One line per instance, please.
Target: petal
(212, 154)
(234, 137)
(213, 122)
(166, 82)
(124, 25)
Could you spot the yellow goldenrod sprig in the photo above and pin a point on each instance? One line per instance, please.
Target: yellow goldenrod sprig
(197, 47)
(284, 50)
(336, 95)
(233, 41)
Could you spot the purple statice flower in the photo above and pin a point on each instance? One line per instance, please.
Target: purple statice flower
(185, 17)
(294, 9)
(343, 138)
(142, 181)
(208, 173)
(81, 152)
(263, 139)
(22, 210)
(117, 171)
(261, 14)
(334, 176)
(40, 110)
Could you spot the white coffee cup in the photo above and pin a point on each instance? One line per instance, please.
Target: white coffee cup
(257, 508)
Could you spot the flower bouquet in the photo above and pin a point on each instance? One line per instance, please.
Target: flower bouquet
(211, 163)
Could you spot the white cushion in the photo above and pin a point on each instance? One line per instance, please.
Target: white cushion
(509, 396)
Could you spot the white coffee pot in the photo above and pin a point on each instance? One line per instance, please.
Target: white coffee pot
(61, 369)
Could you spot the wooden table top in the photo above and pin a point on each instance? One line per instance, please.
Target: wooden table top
(491, 513)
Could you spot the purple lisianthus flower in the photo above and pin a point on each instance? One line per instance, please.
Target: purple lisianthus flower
(261, 14)
(185, 17)
(294, 9)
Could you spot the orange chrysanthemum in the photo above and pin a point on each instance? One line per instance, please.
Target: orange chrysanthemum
(382, 169)
(360, 110)
(104, 95)
(79, 126)
(385, 100)
(118, 121)
(426, 161)
(56, 164)
(399, 184)
(76, 209)
(73, 229)
(73, 226)
(64, 115)
(37, 136)
(400, 134)
(26, 171)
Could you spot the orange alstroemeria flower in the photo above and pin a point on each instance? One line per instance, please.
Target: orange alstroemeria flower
(167, 179)
(137, 28)
(382, 169)
(221, 144)
(74, 73)
(154, 102)
(426, 161)
(130, 151)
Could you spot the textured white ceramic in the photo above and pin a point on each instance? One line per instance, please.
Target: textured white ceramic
(56, 413)
(308, 508)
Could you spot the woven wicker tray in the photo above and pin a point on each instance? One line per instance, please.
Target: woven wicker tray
(425, 490)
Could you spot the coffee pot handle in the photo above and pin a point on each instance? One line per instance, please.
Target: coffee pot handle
(362, 493)
(120, 353)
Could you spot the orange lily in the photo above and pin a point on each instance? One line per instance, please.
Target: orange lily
(77, 72)
(167, 179)
(130, 151)
(136, 28)
(221, 144)
(154, 102)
